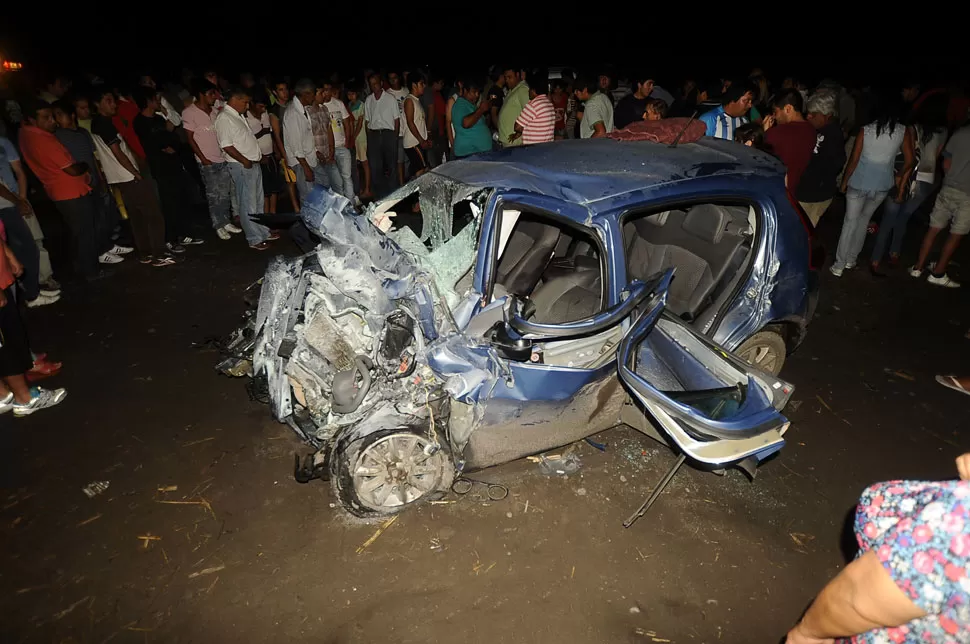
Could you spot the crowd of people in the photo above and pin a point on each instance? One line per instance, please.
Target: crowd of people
(126, 167)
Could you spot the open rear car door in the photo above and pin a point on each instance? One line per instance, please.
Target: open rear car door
(711, 407)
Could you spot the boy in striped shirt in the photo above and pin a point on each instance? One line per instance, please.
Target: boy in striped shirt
(537, 121)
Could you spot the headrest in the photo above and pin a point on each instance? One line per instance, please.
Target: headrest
(658, 219)
(707, 221)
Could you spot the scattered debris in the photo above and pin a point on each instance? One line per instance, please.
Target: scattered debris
(70, 609)
(90, 520)
(435, 544)
(168, 488)
(508, 515)
(32, 588)
(622, 479)
(600, 446)
(201, 440)
(203, 502)
(147, 539)
(824, 404)
(378, 533)
(801, 539)
(95, 488)
(634, 610)
(899, 374)
(207, 571)
(793, 405)
(558, 464)
(581, 491)
(332, 505)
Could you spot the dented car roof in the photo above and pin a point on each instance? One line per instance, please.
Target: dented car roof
(587, 171)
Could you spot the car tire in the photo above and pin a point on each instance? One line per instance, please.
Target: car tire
(766, 350)
(389, 453)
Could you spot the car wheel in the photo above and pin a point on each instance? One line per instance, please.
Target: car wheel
(765, 350)
(389, 471)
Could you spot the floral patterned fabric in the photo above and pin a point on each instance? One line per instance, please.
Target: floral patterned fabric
(921, 533)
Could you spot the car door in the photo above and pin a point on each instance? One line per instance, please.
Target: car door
(716, 409)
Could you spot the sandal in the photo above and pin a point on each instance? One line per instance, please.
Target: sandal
(952, 382)
(147, 259)
(164, 261)
(43, 369)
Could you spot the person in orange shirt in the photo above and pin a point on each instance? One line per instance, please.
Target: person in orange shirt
(67, 184)
(15, 357)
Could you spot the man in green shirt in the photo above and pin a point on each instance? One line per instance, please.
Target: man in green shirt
(598, 114)
(516, 99)
(472, 136)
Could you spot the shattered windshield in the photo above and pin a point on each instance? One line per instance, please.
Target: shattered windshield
(437, 220)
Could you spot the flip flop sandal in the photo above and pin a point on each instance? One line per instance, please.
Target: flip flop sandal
(43, 369)
(951, 382)
(165, 261)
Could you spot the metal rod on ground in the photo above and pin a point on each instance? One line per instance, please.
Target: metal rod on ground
(661, 486)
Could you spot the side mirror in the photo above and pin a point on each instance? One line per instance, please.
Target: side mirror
(509, 344)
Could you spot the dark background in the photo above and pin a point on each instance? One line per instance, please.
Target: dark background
(119, 43)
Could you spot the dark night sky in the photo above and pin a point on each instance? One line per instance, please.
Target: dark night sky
(119, 44)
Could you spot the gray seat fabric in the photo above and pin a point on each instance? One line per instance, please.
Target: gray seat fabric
(526, 255)
(567, 298)
(696, 244)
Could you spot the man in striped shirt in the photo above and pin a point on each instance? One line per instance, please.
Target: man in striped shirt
(724, 119)
(537, 121)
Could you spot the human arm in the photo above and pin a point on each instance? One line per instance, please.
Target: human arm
(859, 599)
(409, 118)
(448, 124)
(76, 169)
(18, 171)
(276, 127)
(350, 134)
(235, 154)
(909, 160)
(195, 148)
(472, 118)
(853, 160)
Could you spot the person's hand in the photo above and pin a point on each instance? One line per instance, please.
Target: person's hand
(137, 177)
(25, 210)
(3, 299)
(168, 150)
(351, 143)
(843, 187)
(426, 145)
(15, 266)
(767, 122)
(320, 156)
(206, 162)
(246, 163)
(308, 173)
(514, 136)
(963, 466)
(796, 636)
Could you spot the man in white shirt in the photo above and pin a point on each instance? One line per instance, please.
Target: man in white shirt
(340, 123)
(242, 152)
(301, 153)
(383, 125)
(398, 91)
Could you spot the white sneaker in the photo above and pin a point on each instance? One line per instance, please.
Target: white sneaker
(39, 399)
(942, 280)
(110, 258)
(190, 241)
(915, 272)
(121, 250)
(223, 234)
(42, 300)
(836, 271)
(6, 404)
(233, 228)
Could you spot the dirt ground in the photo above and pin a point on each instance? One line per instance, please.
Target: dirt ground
(203, 535)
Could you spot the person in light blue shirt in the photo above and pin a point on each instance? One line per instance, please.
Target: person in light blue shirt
(724, 119)
(471, 133)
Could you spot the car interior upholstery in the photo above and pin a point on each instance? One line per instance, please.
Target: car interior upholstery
(553, 264)
(705, 244)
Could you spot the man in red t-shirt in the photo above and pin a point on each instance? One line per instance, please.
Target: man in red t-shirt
(66, 182)
(790, 137)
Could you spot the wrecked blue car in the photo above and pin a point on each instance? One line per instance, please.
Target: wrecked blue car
(519, 301)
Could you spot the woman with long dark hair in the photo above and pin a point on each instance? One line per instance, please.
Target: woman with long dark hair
(929, 135)
(869, 176)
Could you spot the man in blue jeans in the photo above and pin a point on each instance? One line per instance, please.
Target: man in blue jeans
(242, 152)
(301, 153)
(340, 123)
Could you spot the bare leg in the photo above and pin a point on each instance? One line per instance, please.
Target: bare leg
(949, 247)
(18, 385)
(291, 190)
(366, 193)
(272, 204)
(266, 204)
(964, 382)
(924, 250)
